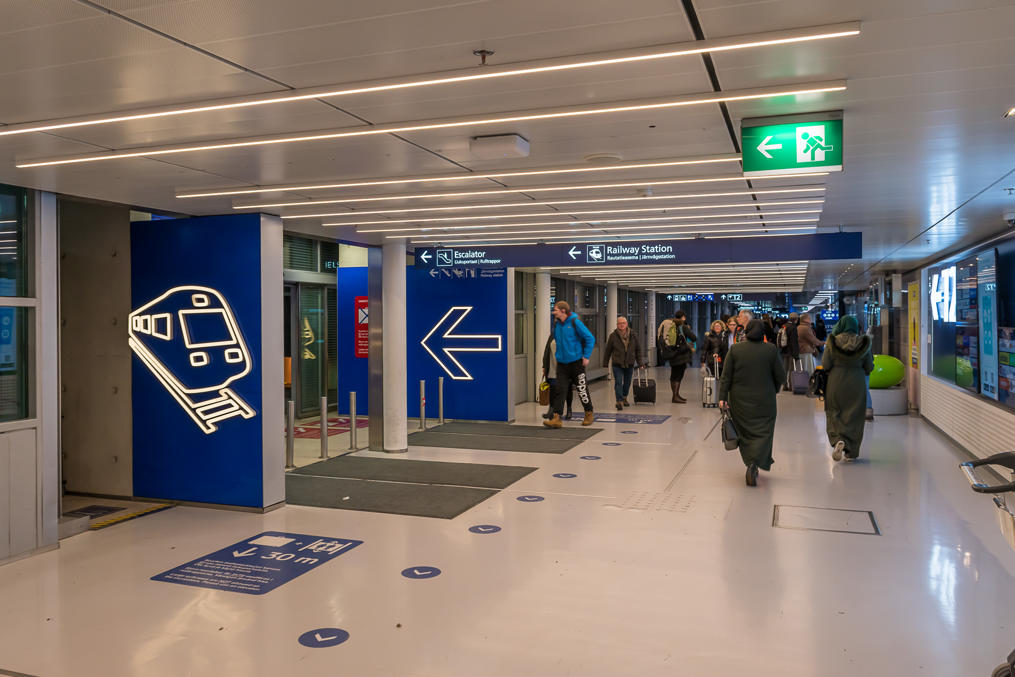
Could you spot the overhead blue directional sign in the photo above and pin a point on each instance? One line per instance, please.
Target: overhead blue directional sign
(823, 246)
(260, 564)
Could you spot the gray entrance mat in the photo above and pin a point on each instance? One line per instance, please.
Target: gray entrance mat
(421, 500)
(418, 472)
(540, 431)
(491, 442)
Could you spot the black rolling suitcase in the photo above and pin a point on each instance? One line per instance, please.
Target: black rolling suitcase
(644, 388)
(799, 380)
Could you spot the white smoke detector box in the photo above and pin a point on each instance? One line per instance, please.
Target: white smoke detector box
(498, 147)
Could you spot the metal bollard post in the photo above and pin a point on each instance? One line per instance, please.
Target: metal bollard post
(324, 427)
(422, 405)
(290, 436)
(352, 421)
(440, 400)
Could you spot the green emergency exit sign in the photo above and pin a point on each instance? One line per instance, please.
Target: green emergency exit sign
(795, 148)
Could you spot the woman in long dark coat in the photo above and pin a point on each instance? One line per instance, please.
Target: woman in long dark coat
(751, 377)
(848, 361)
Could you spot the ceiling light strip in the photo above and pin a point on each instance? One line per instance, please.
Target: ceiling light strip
(599, 237)
(450, 123)
(754, 206)
(456, 77)
(524, 189)
(575, 169)
(454, 230)
(551, 203)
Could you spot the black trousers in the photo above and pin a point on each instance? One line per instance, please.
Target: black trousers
(572, 373)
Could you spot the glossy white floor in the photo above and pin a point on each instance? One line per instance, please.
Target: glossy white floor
(654, 560)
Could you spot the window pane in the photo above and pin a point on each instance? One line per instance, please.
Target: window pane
(13, 208)
(298, 253)
(519, 333)
(13, 363)
(329, 257)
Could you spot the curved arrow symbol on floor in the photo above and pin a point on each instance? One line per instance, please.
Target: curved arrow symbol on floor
(323, 638)
(458, 343)
(484, 529)
(421, 572)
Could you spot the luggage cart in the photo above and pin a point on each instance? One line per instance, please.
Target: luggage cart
(1005, 517)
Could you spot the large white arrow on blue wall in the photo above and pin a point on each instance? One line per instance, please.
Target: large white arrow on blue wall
(450, 343)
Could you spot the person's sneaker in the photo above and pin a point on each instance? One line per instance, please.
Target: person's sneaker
(620, 405)
(568, 415)
(840, 446)
(554, 422)
(869, 415)
(752, 475)
(679, 400)
(849, 459)
(547, 414)
(589, 418)
(625, 402)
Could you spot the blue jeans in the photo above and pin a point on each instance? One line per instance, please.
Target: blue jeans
(622, 381)
(870, 403)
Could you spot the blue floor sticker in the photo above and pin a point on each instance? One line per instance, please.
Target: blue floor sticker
(530, 499)
(421, 572)
(565, 475)
(484, 529)
(591, 458)
(628, 432)
(260, 564)
(322, 638)
(649, 419)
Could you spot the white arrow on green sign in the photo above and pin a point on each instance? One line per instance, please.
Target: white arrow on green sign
(796, 148)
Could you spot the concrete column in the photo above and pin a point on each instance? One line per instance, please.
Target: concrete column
(394, 358)
(542, 311)
(650, 346)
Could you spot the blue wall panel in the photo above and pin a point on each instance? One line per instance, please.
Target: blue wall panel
(353, 371)
(196, 410)
(477, 300)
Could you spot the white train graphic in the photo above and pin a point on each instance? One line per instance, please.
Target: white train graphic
(188, 337)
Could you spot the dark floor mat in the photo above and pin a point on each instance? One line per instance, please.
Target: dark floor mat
(492, 442)
(506, 429)
(418, 472)
(421, 500)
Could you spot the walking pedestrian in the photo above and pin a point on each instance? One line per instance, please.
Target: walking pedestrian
(624, 348)
(849, 362)
(788, 341)
(573, 351)
(715, 346)
(750, 380)
(550, 376)
(809, 343)
(676, 341)
(744, 318)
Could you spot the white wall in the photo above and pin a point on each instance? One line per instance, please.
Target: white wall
(272, 362)
(981, 427)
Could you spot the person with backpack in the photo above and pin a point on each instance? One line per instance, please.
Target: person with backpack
(624, 349)
(676, 346)
(550, 376)
(574, 349)
(750, 380)
(848, 362)
(788, 342)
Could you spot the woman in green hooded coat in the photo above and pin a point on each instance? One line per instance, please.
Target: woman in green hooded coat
(751, 377)
(848, 361)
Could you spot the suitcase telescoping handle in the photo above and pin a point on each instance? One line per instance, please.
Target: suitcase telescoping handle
(716, 373)
(644, 374)
(1005, 459)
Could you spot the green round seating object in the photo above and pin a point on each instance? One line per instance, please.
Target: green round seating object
(888, 371)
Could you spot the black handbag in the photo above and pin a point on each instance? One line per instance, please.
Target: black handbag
(729, 431)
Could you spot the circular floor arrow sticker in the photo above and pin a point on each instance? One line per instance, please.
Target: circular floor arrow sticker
(421, 572)
(565, 475)
(611, 444)
(530, 499)
(484, 529)
(322, 638)
(591, 458)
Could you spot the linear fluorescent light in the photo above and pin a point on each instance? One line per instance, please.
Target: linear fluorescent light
(595, 229)
(597, 234)
(9, 221)
(632, 210)
(578, 222)
(466, 121)
(729, 157)
(456, 77)
(1010, 113)
(602, 238)
(525, 189)
(551, 203)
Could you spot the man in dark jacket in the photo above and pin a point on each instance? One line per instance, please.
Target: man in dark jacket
(624, 349)
(574, 348)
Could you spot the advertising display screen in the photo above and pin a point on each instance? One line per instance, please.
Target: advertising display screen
(967, 327)
(942, 311)
(986, 284)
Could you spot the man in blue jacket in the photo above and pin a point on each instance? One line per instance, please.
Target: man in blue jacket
(574, 348)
